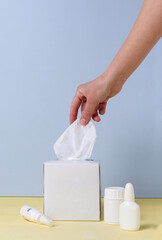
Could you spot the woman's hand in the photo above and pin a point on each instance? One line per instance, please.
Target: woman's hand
(92, 97)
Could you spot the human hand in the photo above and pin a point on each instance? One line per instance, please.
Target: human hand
(92, 97)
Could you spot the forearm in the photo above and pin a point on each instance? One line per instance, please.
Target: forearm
(145, 33)
(93, 96)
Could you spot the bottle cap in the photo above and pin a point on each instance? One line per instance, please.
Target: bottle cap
(129, 192)
(114, 193)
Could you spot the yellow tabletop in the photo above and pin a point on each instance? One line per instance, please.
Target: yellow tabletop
(14, 227)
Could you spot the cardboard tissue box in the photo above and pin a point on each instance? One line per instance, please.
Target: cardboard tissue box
(72, 183)
(72, 190)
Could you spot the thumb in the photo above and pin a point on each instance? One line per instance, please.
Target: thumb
(87, 112)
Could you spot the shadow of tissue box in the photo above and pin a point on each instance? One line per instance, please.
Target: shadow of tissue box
(72, 190)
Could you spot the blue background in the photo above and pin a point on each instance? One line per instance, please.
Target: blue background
(48, 48)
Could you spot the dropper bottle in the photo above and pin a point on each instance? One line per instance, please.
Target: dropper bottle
(34, 215)
(129, 214)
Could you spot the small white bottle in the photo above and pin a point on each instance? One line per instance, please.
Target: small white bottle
(129, 215)
(34, 215)
(114, 196)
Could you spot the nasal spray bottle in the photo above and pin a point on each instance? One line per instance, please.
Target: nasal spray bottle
(34, 215)
(129, 210)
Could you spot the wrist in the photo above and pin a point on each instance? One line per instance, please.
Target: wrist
(113, 77)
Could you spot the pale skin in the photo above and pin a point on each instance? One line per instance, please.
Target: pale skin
(92, 96)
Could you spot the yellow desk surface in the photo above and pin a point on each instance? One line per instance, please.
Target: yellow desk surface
(14, 227)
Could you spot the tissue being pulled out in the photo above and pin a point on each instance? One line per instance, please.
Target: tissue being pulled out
(76, 142)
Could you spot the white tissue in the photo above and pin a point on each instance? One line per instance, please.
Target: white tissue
(76, 142)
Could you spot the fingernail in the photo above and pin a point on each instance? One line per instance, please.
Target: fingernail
(83, 121)
(102, 112)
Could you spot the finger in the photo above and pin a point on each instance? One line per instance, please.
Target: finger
(74, 108)
(83, 106)
(88, 111)
(102, 108)
(96, 117)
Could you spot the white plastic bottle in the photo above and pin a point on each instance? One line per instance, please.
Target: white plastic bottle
(114, 196)
(34, 215)
(129, 214)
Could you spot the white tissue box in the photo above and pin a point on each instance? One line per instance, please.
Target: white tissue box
(72, 190)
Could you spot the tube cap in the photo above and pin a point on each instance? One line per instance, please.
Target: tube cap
(45, 220)
(114, 193)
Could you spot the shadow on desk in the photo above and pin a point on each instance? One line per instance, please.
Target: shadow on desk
(148, 226)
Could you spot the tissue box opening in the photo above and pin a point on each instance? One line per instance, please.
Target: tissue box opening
(72, 190)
